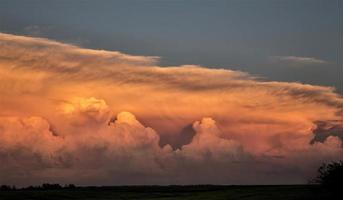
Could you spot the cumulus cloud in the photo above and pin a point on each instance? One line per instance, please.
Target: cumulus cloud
(297, 60)
(255, 130)
(27, 146)
(85, 110)
(208, 144)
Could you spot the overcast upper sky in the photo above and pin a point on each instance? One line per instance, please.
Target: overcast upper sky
(298, 40)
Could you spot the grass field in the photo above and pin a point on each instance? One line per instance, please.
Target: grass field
(174, 192)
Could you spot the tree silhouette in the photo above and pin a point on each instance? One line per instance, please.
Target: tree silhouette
(7, 188)
(331, 175)
(48, 186)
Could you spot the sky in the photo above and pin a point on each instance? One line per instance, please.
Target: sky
(169, 91)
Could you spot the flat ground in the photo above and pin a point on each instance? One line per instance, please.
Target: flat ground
(175, 192)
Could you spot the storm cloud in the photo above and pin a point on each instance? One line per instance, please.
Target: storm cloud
(70, 114)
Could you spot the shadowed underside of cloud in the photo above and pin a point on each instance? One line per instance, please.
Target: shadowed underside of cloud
(61, 120)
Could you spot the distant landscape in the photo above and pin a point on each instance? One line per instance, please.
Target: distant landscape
(281, 192)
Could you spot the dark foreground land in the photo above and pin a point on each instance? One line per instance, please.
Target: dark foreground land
(175, 192)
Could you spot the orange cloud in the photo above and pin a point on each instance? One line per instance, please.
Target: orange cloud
(208, 144)
(77, 93)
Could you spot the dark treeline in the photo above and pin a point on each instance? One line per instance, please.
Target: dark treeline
(136, 188)
(44, 186)
(49, 186)
(145, 188)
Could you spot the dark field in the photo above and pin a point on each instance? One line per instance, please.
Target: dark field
(175, 192)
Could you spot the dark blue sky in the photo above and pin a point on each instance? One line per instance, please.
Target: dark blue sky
(256, 36)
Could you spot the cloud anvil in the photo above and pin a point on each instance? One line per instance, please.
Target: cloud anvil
(70, 114)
